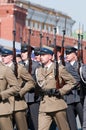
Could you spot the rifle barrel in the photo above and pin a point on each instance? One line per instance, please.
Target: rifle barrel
(62, 49)
(56, 71)
(41, 36)
(14, 53)
(29, 53)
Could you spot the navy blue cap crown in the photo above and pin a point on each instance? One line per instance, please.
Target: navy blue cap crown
(46, 50)
(37, 51)
(6, 52)
(24, 48)
(1, 47)
(70, 49)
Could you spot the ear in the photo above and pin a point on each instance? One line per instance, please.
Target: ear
(50, 57)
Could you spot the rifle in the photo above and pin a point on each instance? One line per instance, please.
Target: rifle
(82, 48)
(14, 54)
(41, 36)
(79, 52)
(29, 53)
(62, 48)
(47, 39)
(21, 36)
(56, 71)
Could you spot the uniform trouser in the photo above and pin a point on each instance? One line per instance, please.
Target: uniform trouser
(6, 122)
(72, 111)
(45, 119)
(84, 115)
(20, 120)
(32, 115)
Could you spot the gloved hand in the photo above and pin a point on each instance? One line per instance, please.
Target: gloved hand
(54, 92)
(17, 97)
(0, 98)
(57, 93)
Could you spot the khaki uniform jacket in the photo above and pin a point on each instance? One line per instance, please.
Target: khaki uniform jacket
(47, 81)
(23, 76)
(7, 77)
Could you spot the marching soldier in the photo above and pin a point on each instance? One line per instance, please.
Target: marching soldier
(52, 105)
(32, 101)
(7, 77)
(38, 58)
(26, 83)
(73, 98)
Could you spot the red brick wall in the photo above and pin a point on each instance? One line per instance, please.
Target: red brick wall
(35, 40)
(7, 13)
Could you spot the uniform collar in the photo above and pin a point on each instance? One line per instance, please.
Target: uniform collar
(72, 63)
(26, 62)
(9, 65)
(48, 66)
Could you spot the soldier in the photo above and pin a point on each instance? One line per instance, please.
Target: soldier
(73, 98)
(26, 83)
(32, 101)
(7, 77)
(52, 105)
(38, 58)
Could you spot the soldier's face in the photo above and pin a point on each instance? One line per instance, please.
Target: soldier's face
(71, 57)
(7, 59)
(45, 59)
(37, 58)
(24, 55)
